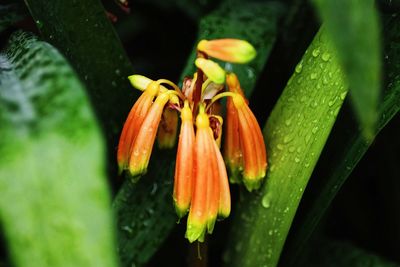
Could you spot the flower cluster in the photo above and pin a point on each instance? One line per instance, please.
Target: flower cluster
(201, 184)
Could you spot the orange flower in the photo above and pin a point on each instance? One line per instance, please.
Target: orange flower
(206, 194)
(143, 144)
(201, 185)
(252, 145)
(133, 124)
(184, 163)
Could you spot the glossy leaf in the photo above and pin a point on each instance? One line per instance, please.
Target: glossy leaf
(144, 222)
(354, 29)
(355, 146)
(84, 34)
(54, 205)
(295, 133)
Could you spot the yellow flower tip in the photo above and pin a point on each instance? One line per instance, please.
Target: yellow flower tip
(232, 80)
(139, 81)
(202, 121)
(180, 210)
(252, 184)
(211, 224)
(186, 112)
(213, 71)
(195, 231)
(238, 101)
(231, 50)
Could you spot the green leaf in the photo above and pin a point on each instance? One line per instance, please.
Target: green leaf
(354, 29)
(144, 222)
(84, 34)
(295, 133)
(355, 146)
(54, 205)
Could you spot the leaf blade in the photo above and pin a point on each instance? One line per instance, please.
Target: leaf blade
(295, 133)
(346, 21)
(55, 203)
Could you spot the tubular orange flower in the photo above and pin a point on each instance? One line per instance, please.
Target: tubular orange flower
(167, 131)
(143, 144)
(252, 144)
(205, 201)
(133, 124)
(231, 50)
(201, 185)
(184, 163)
(232, 149)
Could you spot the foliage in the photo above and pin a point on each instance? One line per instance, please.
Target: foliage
(65, 94)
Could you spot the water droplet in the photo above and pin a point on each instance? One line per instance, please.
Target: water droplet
(343, 95)
(270, 232)
(286, 210)
(307, 164)
(315, 130)
(326, 56)
(288, 122)
(299, 67)
(288, 138)
(117, 71)
(313, 76)
(238, 246)
(296, 159)
(292, 149)
(266, 201)
(127, 229)
(279, 146)
(315, 52)
(307, 138)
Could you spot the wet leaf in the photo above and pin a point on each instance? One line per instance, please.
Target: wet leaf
(54, 205)
(295, 133)
(354, 29)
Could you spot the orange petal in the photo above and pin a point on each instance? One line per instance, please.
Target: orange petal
(224, 207)
(167, 131)
(205, 200)
(232, 149)
(252, 144)
(184, 163)
(231, 50)
(213, 192)
(141, 149)
(131, 128)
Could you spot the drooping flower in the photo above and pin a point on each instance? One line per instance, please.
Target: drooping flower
(133, 124)
(184, 163)
(201, 186)
(143, 144)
